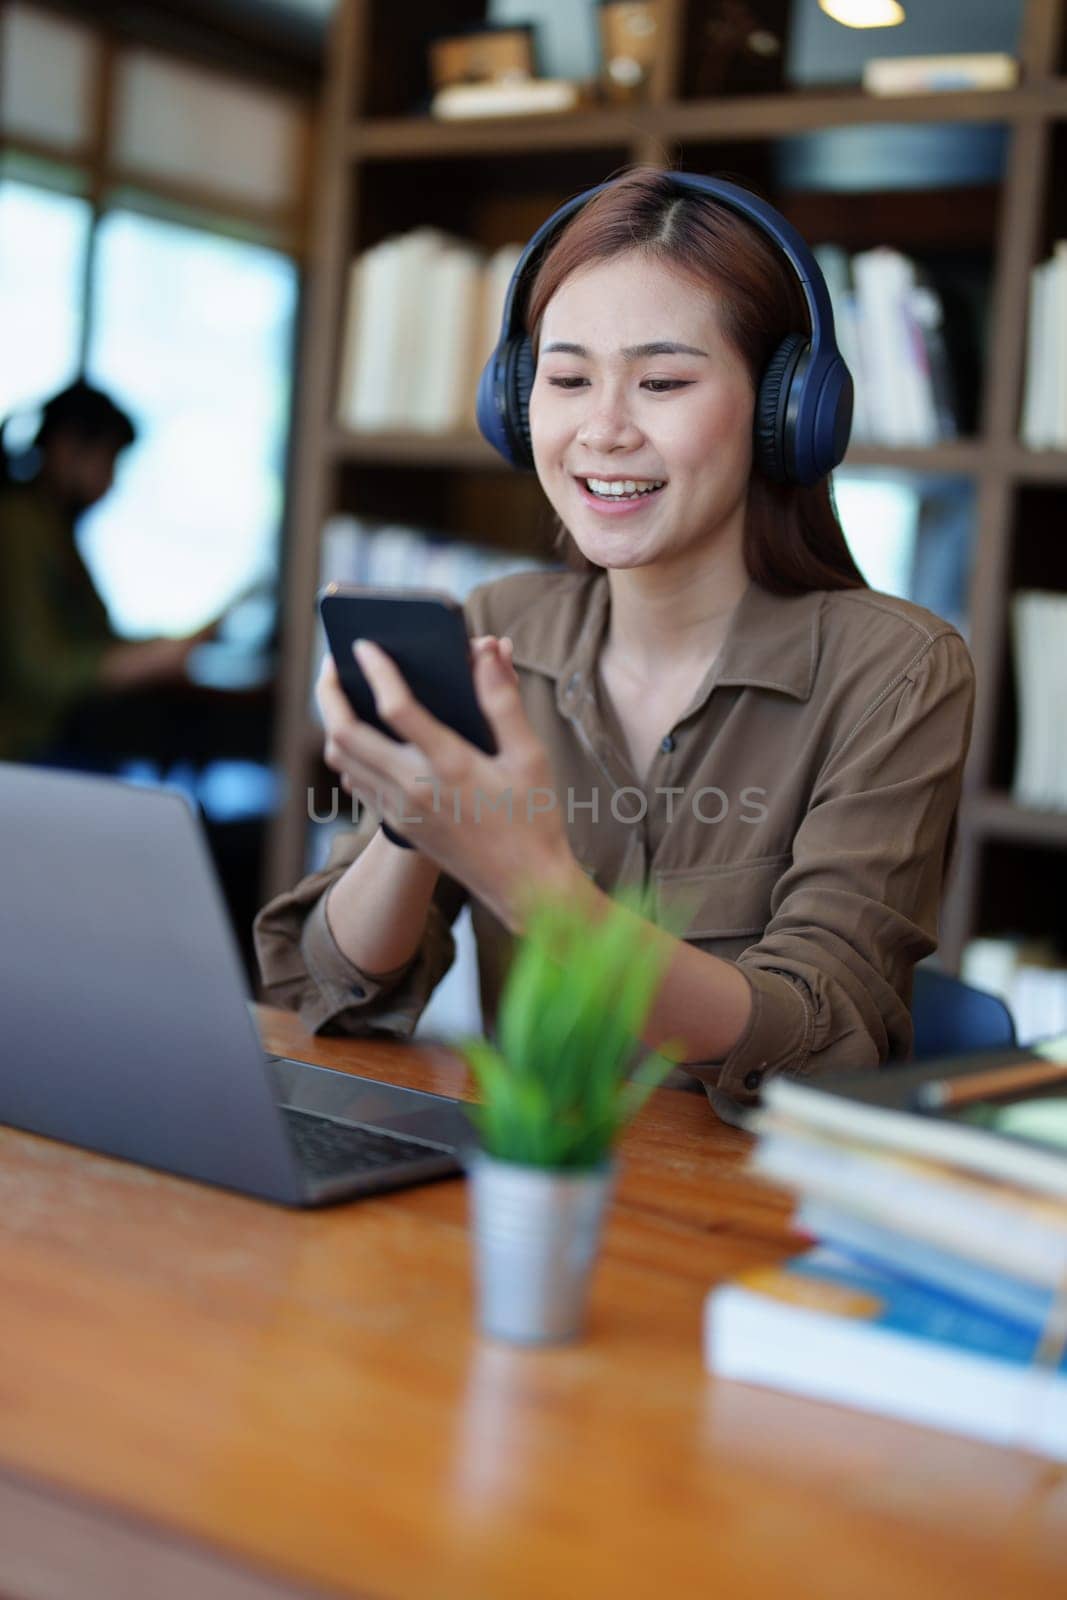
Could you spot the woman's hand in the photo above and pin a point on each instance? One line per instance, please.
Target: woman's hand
(491, 822)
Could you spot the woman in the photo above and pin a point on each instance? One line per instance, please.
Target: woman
(58, 651)
(712, 704)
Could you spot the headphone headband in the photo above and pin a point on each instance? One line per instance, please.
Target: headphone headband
(804, 405)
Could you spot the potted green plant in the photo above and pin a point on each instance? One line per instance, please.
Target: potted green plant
(556, 1090)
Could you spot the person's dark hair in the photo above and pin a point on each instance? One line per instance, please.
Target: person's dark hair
(81, 412)
(793, 540)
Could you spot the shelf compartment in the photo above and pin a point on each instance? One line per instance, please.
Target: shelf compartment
(506, 510)
(770, 115)
(995, 815)
(401, 138)
(461, 451)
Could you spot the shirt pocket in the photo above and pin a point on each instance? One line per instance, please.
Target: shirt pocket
(725, 904)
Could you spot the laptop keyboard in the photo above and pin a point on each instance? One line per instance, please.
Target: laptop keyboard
(330, 1149)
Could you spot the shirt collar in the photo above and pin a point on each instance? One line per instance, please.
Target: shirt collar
(772, 641)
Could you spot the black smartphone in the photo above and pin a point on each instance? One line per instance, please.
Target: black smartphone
(426, 635)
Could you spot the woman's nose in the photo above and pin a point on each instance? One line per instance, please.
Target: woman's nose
(608, 426)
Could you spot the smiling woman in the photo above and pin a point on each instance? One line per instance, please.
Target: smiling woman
(712, 704)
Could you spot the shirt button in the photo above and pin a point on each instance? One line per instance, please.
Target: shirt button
(357, 992)
(573, 683)
(667, 744)
(753, 1081)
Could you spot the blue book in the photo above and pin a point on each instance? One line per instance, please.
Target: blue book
(904, 1256)
(835, 1329)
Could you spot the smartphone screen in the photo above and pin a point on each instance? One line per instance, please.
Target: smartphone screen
(425, 635)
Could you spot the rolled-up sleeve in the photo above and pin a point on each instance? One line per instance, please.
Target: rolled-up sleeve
(858, 906)
(303, 968)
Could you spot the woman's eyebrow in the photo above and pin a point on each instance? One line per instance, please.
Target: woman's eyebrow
(633, 352)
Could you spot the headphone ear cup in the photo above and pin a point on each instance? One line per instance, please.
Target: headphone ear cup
(771, 436)
(519, 382)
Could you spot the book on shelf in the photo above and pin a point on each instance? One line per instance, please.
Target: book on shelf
(1028, 975)
(890, 330)
(388, 556)
(891, 75)
(1039, 648)
(1043, 423)
(527, 97)
(834, 1328)
(422, 316)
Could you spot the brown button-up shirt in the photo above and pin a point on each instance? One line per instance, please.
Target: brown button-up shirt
(801, 809)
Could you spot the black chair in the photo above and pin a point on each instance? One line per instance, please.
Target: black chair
(952, 1019)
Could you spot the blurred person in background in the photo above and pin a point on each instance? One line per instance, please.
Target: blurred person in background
(67, 680)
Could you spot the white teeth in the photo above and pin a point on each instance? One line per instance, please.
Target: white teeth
(628, 487)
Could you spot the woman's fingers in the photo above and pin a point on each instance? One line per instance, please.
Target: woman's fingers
(497, 687)
(445, 750)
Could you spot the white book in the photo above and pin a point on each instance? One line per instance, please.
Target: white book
(1002, 1228)
(1058, 295)
(411, 312)
(1036, 425)
(900, 394)
(1028, 781)
(827, 1327)
(350, 340)
(363, 401)
(440, 398)
(990, 964)
(890, 75)
(935, 1139)
(834, 265)
(499, 271)
(343, 550)
(530, 97)
(391, 322)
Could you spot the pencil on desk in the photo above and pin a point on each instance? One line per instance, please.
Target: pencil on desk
(945, 1094)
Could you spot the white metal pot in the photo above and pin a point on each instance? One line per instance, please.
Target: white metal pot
(536, 1233)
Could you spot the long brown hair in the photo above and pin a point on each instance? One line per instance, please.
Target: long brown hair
(793, 541)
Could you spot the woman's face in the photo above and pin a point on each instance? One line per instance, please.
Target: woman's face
(614, 403)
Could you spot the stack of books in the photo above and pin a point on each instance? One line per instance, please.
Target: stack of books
(936, 1290)
(1039, 643)
(891, 332)
(422, 318)
(1044, 416)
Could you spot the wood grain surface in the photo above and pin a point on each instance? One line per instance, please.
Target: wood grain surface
(279, 1402)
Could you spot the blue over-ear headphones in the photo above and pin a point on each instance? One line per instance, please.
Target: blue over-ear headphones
(804, 401)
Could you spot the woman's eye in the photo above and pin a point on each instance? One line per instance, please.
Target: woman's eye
(653, 385)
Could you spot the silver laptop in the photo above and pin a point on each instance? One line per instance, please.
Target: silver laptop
(125, 1024)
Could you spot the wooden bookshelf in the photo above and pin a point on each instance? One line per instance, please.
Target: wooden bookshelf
(384, 170)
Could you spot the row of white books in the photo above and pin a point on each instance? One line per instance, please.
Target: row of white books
(388, 556)
(1044, 415)
(890, 331)
(1028, 975)
(1039, 642)
(424, 308)
(936, 1278)
(423, 316)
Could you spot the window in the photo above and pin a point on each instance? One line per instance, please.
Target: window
(193, 333)
(43, 240)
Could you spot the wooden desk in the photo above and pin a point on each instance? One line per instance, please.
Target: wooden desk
(206, 1398)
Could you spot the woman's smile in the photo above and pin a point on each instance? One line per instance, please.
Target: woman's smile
(619, 497)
